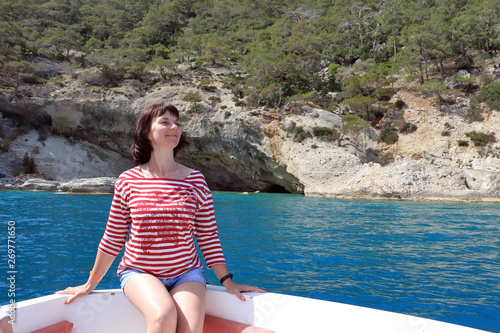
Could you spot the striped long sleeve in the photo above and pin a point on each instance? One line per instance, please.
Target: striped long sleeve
(157, 221)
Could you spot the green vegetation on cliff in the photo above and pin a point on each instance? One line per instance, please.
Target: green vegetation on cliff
(284, 45)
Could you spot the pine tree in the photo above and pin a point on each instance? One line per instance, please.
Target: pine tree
(28, 165)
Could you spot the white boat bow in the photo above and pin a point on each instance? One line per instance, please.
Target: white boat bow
(105, 311)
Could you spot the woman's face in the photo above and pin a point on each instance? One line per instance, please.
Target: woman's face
(165, 131)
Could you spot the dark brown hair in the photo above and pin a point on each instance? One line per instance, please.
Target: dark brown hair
(141, 148)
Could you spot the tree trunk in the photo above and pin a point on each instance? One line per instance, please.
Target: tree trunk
(341, 136)
(394, 43)
(421, 73)
(439, 100)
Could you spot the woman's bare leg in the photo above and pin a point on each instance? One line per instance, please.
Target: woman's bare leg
(189, 299)
(152, 299)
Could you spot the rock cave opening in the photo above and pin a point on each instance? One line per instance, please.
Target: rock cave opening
(275, 188)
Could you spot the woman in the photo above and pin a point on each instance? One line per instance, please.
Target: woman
(165, 205)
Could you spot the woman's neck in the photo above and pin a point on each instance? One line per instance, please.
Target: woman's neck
(161, 166)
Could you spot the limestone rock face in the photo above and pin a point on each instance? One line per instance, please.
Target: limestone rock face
(39, 185)
(100, 185)
(63, 158)
(84, 134)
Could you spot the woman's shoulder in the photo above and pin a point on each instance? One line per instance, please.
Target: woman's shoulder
(200, 186)
(132, 173)
(195, 175)
(197, 179)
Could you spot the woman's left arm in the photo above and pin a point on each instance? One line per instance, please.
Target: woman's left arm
(207, 235)
(220, 271)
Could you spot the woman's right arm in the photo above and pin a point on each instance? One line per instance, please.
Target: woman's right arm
(110, 246)
(102, 263)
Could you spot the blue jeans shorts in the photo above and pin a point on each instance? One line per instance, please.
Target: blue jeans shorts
(194, 274)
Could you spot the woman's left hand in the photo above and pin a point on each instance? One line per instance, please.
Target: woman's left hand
(237, 289)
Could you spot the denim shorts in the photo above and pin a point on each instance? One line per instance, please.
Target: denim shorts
(194, 274)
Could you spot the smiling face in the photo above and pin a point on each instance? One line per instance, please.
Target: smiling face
(165, 131)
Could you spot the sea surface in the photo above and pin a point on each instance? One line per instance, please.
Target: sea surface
(437, 260)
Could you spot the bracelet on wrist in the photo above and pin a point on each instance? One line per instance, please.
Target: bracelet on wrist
(95, 276)
(225, 277)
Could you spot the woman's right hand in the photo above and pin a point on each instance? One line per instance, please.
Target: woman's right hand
(76, 292)
(102, 263)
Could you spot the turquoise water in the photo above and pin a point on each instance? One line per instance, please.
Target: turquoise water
(433, 260)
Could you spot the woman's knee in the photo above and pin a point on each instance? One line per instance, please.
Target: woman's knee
(155, 303)
(162, 319)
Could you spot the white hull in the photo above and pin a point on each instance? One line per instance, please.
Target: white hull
(108, 311)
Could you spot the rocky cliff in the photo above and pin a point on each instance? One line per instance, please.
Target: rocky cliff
(78, 132)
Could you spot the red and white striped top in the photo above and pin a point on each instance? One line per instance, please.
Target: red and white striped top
(161, 217)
